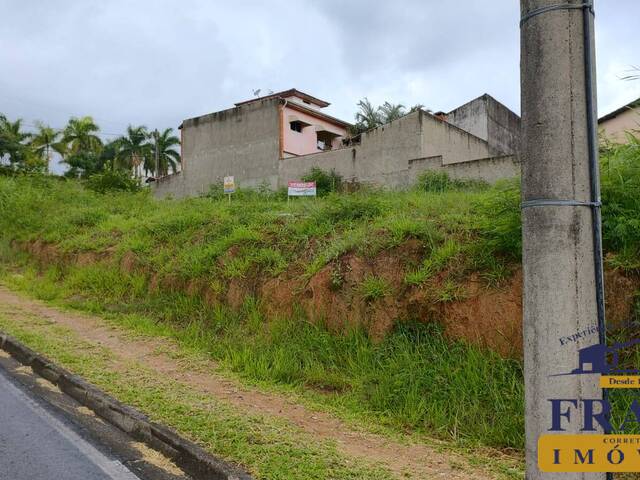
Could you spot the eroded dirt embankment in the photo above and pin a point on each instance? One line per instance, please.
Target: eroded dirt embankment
(408, 459)
(486, 315)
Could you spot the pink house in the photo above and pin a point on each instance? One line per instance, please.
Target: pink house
(304, 128)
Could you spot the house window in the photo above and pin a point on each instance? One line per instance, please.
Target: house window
(296, 126)
(325, 139)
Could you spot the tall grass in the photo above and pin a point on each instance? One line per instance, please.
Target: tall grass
(414, 378)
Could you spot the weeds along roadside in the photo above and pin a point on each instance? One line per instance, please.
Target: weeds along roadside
(414, 378)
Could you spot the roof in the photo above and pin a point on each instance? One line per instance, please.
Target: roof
(316, 113)
(624, 108)
(288, 93)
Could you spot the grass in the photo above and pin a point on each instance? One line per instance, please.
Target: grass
(413, 379)
(264, 445)
(374, 288)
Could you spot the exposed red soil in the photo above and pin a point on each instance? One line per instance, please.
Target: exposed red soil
(490, 317)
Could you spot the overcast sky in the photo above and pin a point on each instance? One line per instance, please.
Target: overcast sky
(158, 62)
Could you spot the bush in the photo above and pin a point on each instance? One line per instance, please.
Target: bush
(110, 180)
(434, 181)
(326, 182)
(621, 202)
(499, 220)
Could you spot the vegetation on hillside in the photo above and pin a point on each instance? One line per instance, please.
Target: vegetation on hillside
(413, 378)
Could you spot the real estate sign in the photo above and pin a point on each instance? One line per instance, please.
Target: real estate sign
(302, 189)
(229, 184)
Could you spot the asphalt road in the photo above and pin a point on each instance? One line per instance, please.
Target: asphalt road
(36, 443)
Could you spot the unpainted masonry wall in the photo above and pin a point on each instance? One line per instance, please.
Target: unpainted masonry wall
(489, 120)
(242, 141)
(395, 154)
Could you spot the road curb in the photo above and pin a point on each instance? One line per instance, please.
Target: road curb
(187, 455)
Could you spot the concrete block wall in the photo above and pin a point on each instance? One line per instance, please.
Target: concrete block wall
(451, 142)
(395, 154)
(489, 169)
(490, 120)
(242, 141)
(380, 158)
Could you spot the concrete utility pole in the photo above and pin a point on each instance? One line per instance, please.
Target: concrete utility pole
(558, 240)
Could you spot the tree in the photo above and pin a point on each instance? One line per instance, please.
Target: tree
(167, 156)
(80, 136)
(80, 147)
(368, 117)
(134, 152)
(390, 112)
(13, 141)
(109, 155)
(635, 75)
(45, 141)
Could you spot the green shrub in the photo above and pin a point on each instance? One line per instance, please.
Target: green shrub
(112, 180)
(499, 220)
(621, 203)
(434, 181)
(326, 182)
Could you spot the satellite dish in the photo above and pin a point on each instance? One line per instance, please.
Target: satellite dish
(256, 93)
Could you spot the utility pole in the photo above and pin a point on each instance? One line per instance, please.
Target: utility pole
(560, 196)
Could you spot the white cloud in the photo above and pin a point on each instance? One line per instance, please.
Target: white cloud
(158, 62)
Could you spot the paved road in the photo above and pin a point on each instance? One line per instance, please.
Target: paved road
(37, 444)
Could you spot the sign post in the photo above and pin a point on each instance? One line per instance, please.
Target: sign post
(229, 186)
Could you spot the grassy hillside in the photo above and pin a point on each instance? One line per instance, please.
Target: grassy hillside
(201, 270)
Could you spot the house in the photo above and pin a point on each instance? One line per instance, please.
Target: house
(615, 125)
(304, 126)
(270, 140)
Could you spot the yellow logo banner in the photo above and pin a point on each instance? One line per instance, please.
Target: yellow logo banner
(589, 453)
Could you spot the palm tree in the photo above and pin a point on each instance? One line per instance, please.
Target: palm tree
(45, 140)
(167, 157)
(634, 73)
(134, 152)
(13, 141)
(390, 112)
(80, 136)
(368, 117)
(80, 147)
(109, 154)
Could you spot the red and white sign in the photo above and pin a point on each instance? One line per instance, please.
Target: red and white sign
(302, 189)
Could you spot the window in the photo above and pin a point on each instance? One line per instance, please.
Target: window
(325, 139)
(296, 126)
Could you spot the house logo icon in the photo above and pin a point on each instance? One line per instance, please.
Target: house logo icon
(601, 359)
